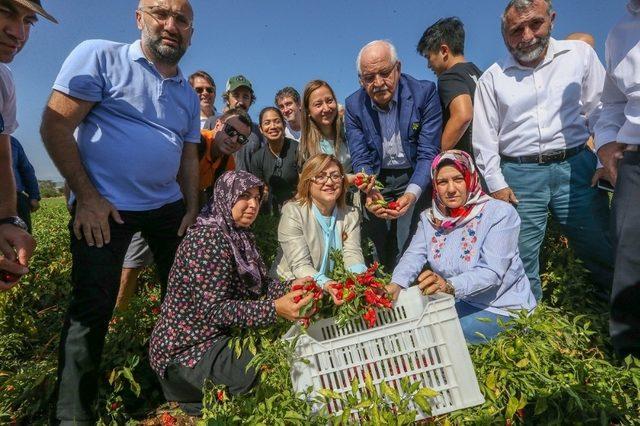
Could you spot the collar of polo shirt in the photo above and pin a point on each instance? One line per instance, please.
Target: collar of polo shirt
(136, 54)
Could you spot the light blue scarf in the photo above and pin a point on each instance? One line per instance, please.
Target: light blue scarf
(326, 147)
(332, 240)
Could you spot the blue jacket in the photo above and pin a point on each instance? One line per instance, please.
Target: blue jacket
(420, 124)
(23, 172)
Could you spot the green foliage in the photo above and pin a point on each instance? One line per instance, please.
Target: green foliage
(552, 367)
(49, 189)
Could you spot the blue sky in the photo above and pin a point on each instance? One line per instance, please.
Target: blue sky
(277, 43)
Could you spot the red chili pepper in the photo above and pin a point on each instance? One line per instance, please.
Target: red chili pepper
(370, 317)
(115, 406)
(220, 395)
(297, 287)
(8, 277)
(370, 296)
(393, 205)
(296, 299)
(168, 420)
(359, 180)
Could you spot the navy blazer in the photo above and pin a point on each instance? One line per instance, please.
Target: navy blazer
(420, 122)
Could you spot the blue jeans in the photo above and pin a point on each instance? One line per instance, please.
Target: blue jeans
(475, 320)
(582, 211)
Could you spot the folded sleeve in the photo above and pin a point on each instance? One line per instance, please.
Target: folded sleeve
(485, 134)
(81, 73)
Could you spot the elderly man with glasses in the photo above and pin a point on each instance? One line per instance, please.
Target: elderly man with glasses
(393, 128)
(133, 167)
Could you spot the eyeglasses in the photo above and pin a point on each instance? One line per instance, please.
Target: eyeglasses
(231, 132)
(199, 90)
(384, 74)
(322, 178)
(162, 15)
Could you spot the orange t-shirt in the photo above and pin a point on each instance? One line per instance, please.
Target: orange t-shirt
(208, 166)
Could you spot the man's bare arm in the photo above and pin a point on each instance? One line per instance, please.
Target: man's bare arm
(188, 178)
(7, 183)
(460, 116)
(61, 117)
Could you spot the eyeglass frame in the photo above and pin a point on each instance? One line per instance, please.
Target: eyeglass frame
(384, 75)
(232, 132)
(338, 176)
(170, 14)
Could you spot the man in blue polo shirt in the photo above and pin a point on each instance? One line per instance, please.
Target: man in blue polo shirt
(134, 167)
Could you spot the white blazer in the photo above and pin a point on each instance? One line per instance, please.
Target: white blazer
(302, 242)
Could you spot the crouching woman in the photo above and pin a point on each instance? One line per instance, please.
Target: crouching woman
(218, 281)
(316, 222)
(470, 242)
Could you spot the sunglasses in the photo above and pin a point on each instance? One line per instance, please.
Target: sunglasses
(199, 90)
(232, 132)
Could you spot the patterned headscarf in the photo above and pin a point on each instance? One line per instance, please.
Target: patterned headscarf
(441, 216)
(217, 213)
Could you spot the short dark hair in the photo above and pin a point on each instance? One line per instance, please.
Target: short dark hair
(287, 91)
(267, 109)
(202, 74)
(449, 31)
(242, 115)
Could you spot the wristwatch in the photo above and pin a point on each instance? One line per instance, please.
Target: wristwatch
(15, 221)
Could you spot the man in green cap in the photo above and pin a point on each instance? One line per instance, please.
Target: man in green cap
(239, 94)
(16, 19)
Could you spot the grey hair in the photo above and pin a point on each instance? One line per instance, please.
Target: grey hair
(521, 5)
(390, 46)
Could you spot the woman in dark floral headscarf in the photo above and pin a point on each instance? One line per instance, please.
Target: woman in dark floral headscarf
(470, 243)
(218, 281)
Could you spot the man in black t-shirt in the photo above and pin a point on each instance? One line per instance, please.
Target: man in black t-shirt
(443, 46)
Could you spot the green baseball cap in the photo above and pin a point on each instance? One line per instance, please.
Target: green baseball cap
(238, 81)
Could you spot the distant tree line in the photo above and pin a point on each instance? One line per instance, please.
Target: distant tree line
(49, 188)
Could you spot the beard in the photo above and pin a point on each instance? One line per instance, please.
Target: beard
(166, 54)
(524, 55)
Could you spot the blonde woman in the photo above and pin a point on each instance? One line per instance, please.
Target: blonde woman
(322, 126)
(316, 221)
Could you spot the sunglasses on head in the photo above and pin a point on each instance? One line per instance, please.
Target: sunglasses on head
(231, 132)
(199, 90)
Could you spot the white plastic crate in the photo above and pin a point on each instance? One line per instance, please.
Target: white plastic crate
(419, 338)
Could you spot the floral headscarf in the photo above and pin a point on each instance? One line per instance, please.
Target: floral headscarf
(217, 213)
(441, 216)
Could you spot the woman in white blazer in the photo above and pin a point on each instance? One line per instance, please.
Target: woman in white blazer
(316, 221)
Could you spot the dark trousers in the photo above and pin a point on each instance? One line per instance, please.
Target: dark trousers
(219, 365)
(391, 237)
(96, 278)
(24, 209)
(625, 296)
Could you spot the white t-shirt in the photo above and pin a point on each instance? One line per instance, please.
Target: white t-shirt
(7, 100)
(292, 134)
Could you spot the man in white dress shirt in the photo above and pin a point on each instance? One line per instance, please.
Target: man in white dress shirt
(534, 112)
(618, 144)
